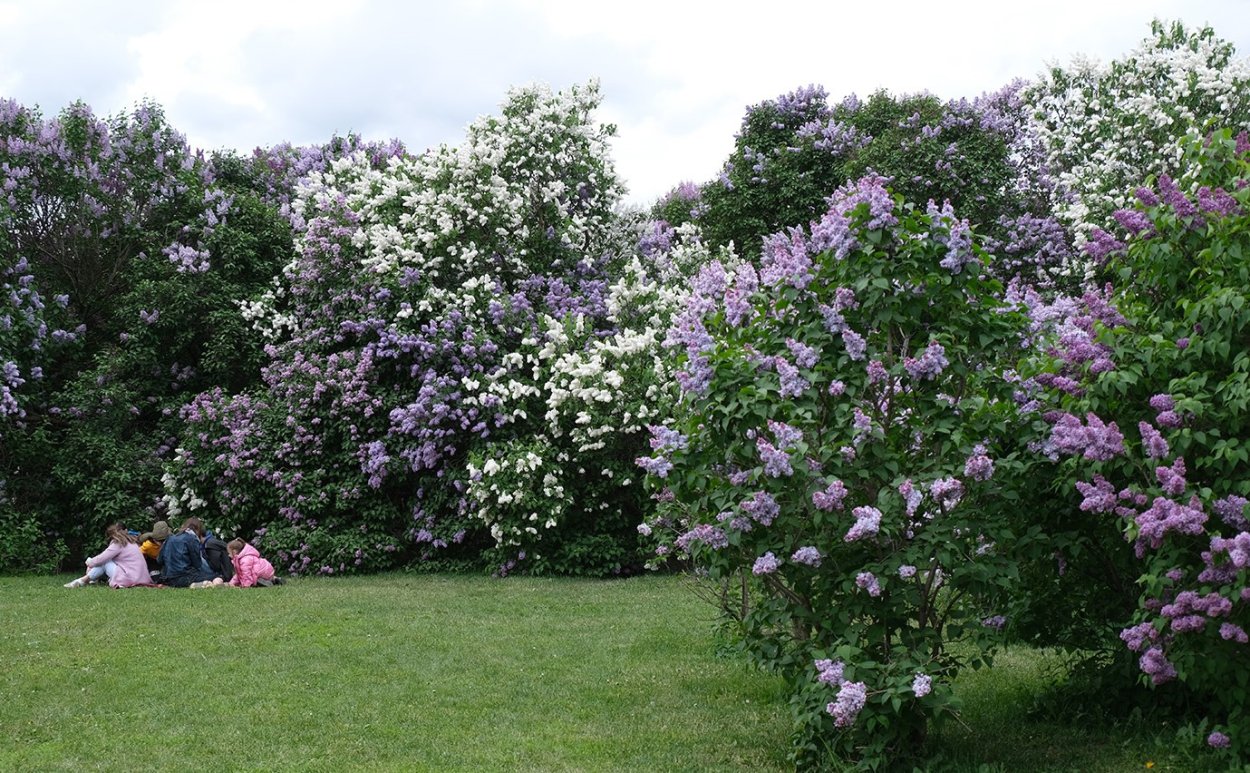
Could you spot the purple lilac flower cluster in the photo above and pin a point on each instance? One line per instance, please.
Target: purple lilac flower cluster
(1165, 516)
(829, 672)
(921, 685)
(776, 461)
(868, 581)
(852, 696)
(703, 533)
(807, 555)
(947, 492)
(929, 365)
(831, 498)
(867, 524)
(979, 465)
(786, 260)
(1096, 440)
(762, 508)
(956, 235)
(835, 231)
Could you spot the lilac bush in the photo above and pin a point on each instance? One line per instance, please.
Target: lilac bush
(842, 447)
(462, 350)
(142, 253)
(981, 155)
(1150, 414)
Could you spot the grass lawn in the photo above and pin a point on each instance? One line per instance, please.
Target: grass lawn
(416, 672)
(395, 672)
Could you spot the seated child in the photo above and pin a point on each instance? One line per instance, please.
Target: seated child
(150, 545)
(121, 562)
(218, 557)
(249, 568)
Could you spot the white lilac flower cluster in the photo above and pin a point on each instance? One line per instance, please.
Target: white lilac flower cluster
(1105, 128)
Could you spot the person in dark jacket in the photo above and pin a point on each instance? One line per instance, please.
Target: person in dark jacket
(218, 558)
(182, 559)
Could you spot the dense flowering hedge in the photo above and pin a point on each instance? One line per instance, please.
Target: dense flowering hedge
(465, 345)
(1154, 418)
(131, 237)
(843, 439)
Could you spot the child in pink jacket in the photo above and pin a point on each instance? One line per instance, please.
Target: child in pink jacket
(122, 562)
(248, 564)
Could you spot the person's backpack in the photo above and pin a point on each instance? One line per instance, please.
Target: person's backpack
(218, 558)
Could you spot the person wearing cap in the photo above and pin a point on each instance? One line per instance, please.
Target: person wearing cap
(150, 544)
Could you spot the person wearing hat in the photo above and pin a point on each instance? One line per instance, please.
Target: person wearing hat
(150, 545)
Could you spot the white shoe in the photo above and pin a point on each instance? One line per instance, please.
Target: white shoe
(75, 583)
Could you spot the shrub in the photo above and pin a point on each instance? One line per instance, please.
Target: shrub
(1153, 408)
(843, 443)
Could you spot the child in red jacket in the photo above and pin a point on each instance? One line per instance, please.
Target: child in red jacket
(249, 567)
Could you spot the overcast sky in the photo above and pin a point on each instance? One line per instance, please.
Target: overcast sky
(676, 76)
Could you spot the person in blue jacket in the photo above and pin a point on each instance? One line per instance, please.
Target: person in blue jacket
(182, 559)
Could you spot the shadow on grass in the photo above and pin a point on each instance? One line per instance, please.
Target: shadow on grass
(1019, 715)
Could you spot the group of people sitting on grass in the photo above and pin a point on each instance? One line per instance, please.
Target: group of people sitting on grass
(189, 558)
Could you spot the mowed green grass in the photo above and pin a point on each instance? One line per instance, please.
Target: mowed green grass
(391, 672)
(421, 672)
